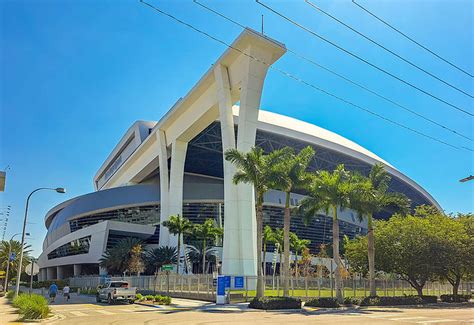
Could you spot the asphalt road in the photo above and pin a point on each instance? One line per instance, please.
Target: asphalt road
(194, 312)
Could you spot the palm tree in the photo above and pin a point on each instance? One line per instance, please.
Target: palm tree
(195, 254)
(371, 199)
(292, 176)
(15, 246)
(268, 238)
(330, 191)
(298, 245)
(254, 167)
(160, 256)
(205, 232)
(117, 259)
(178, 225)
(279, 236)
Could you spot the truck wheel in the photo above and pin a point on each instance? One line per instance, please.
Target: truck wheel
(131, 301)
(110, 301)
(97, 298)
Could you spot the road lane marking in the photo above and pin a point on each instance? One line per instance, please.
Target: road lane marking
(407, 318)
(436, 321)
(383, 316)
(78, 313)
(104, 312)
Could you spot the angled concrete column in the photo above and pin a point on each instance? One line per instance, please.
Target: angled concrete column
(175, 199)
(251, 92)
(77, 269)
(164, 186)
(51, 273)
(231, 263)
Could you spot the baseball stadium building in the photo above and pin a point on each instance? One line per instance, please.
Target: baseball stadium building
(176, 166)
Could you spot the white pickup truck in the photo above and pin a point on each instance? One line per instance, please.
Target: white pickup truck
(114, 291)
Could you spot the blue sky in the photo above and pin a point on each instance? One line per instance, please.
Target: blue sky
(76, 74)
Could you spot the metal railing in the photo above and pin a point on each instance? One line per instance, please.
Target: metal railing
(199, 286)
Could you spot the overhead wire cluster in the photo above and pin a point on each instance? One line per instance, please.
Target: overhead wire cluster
(319, 89)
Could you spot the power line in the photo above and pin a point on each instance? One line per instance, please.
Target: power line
(412, 40)
(386, 49)
(294, 77)
(363, 60)
(341, 76)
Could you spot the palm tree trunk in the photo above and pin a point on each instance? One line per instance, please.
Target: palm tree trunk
(179, 253)
(337, 258)
(286, 244)
(204, 256)
(264, 258)
(371, 252)
(259, 215)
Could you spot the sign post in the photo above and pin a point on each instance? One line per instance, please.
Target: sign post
(220, 297)
(32, 269)
(167, 268)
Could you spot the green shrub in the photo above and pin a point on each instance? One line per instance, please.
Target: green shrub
(162, 300)
(139, 297)
(269, 303)
(325, 302)
(398, 300)
(31, 306)
(10, 294)
(352, 301)
(46, 284)
(455, 298)
(149, 297)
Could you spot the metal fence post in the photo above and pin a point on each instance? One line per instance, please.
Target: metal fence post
(246, 288)
(198, 282)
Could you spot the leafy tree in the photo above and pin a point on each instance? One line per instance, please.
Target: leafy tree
(178, 225)
(279, 236)
(123, 255)
(457, 254)
(135, 264)
(356, 254)
(205, 232)
(371, 197)
(330, 191)
(292, 176)
(160, 256)
(255, 168)
(16, 249)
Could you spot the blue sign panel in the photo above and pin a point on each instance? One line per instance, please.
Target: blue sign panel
(221, 286)
(239, 282)
(227, 281)
(12, 256)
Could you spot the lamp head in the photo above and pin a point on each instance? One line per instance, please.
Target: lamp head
(61, 190)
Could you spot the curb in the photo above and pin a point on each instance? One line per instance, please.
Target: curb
(48, 319)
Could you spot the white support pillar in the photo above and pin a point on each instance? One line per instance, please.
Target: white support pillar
(59, 272)
(175, 199)
(251, 92)
(77, 270)
(164, 186)
(231, 264)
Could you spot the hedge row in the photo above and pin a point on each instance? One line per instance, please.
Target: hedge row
(158, 299)
(272, 303)
(46, 284)
(31, 306)
(455, 298)
(372, 301)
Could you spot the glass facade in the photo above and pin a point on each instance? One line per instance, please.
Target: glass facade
(143, 215)
(76, 247)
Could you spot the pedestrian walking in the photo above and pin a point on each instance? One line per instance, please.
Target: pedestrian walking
(66, 291)
(53, 291)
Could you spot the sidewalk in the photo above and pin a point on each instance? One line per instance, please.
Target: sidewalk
(8, 314)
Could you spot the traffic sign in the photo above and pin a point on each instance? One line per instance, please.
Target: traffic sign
(167, 267)
(35, 269)
(12, 256)
(239, 282)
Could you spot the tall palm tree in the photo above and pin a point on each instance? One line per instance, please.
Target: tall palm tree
(160, 256)
(371, 199)
(330, 192)
(206, 232)
(117, 259)
(255, 168)
(268, 238)
(293, 176)
(178, 225)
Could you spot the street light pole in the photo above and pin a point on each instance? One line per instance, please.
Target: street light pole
(58, 190)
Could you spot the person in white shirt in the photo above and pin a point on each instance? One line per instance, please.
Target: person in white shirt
(66, 291)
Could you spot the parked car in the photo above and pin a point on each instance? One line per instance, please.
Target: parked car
(114, 291)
